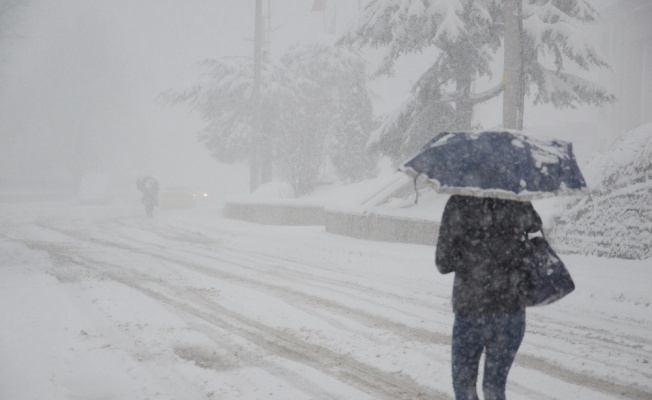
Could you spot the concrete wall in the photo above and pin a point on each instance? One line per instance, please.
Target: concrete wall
(275, 214)
(362, 226)
(382, 227)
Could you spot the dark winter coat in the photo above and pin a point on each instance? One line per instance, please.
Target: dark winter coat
(482, 241)
(149, 187)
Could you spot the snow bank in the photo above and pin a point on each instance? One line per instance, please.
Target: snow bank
(615, 220)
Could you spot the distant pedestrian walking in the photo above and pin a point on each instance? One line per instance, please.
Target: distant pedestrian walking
(149, 187)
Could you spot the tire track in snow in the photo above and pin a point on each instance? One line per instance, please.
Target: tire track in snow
(278, 290)
(281, 263)
(634, 347)
(528, 361)
(305, 279)
(139, 352)
(546, 327)
(578, 378)
(381, 384)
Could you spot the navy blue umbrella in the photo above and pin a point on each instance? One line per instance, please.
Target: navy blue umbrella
(503, 164)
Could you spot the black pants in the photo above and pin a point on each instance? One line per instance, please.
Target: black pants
(499, 336)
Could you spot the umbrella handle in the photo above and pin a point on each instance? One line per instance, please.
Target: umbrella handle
(416, 190)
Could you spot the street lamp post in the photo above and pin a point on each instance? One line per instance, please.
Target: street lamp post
(255, 163)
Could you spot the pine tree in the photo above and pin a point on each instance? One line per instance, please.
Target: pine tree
(404, 132)
(467, 35)
(332, 119)
(464, 30)
(222, 96)
(314, 106)
(351, 129)
(553, 40)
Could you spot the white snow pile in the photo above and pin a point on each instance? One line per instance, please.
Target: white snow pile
(615, 220)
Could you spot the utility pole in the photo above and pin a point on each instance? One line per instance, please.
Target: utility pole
(266, 161)
(513, 76)
(255, 162)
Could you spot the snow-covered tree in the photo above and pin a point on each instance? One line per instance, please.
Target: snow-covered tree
(468, 35)
(351, 129)
(331, 119)
(314, 106)
(615, 220)
(222, 96)
(465, 31)
(553, 41)
(405, 131)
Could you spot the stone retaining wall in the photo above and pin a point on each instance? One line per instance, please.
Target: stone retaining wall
(367, 226)
(382, 227)
(276, 214)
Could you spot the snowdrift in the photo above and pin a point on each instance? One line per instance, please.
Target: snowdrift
(615, 220)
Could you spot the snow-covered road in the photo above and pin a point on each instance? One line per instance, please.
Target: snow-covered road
(102, 303)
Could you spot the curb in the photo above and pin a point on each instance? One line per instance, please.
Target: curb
(383, 228)
(276, 214)
(368, 226)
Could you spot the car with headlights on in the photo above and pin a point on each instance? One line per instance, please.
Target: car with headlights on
(181, 197)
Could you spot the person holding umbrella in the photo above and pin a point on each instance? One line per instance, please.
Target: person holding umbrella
(149, 187)
(483, 239)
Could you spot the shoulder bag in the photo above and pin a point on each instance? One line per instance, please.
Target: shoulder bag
(549, 280)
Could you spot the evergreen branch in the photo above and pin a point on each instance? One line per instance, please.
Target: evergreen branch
(487, 94)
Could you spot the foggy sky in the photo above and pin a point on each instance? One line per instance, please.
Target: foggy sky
(80, 83)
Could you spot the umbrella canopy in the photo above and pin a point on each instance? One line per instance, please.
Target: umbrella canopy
(503, 164)
(145, 183)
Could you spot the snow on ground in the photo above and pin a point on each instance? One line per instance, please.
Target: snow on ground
(99, 302)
